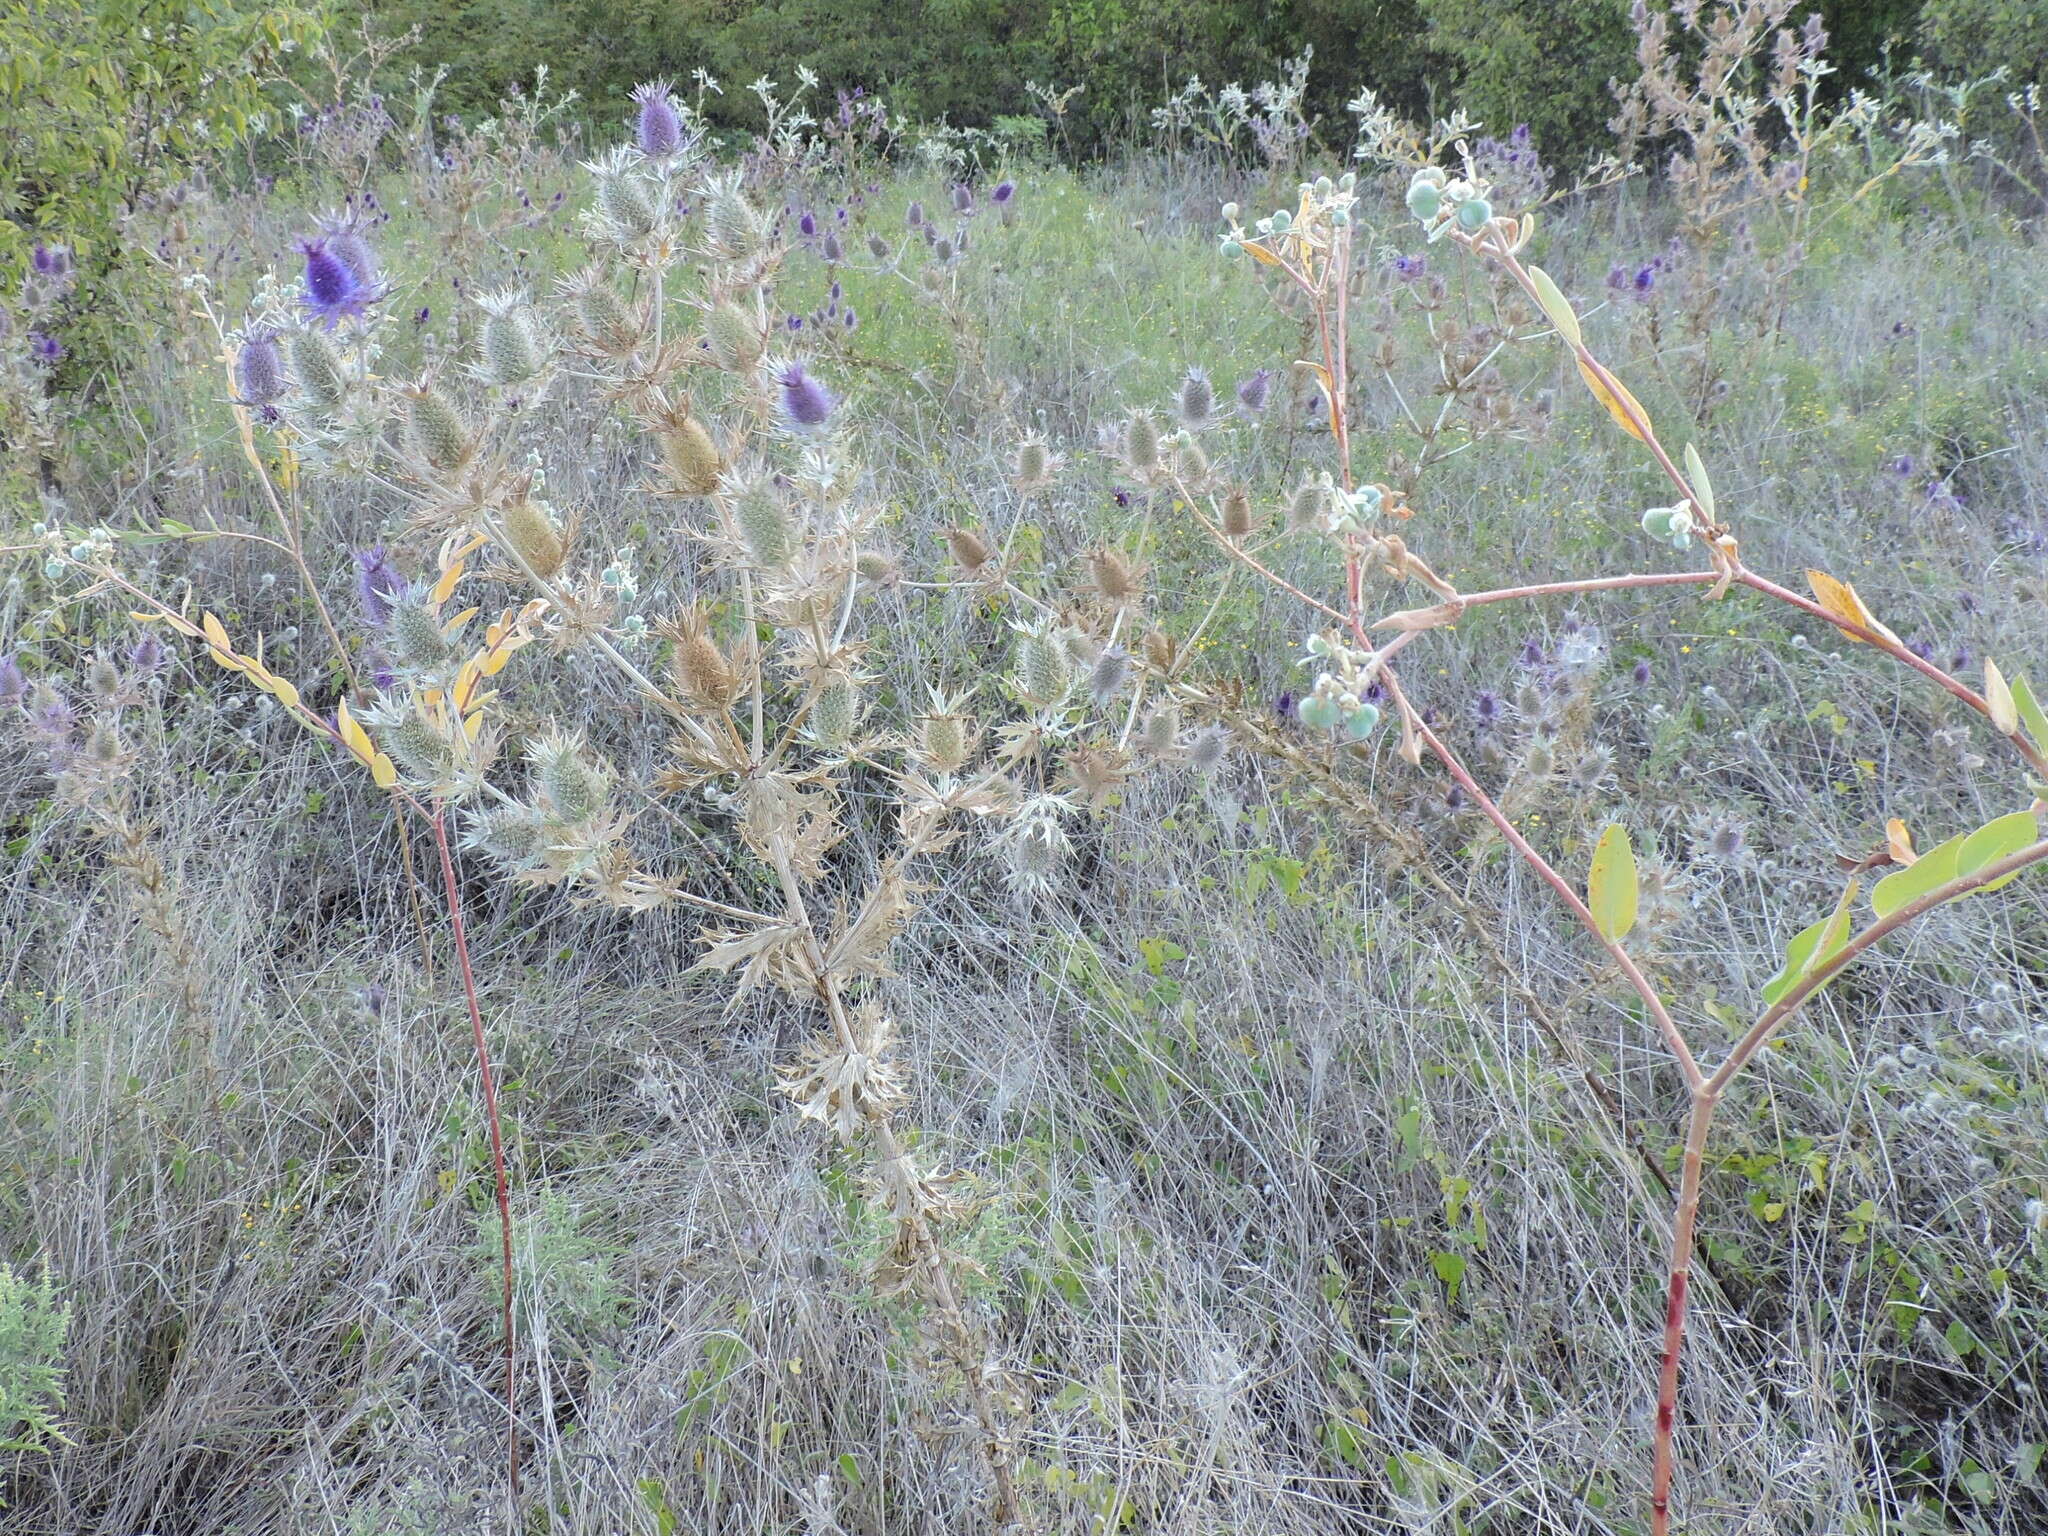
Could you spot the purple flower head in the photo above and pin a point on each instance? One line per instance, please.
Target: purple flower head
(1641, 673)
(45, 348)
(1532, 654)
(332, 287)
(1617, 278)
(13, 686)
(376, 580)
(1410, 269)
(1253, 389)
(796, 322)
(852, 320)
(51, 719)
(343, 234)
(1486, 707)
(259, 371)
(805, 402)
(658, 130)
(807, 224)
(383, 679)
(963, 199)
(53, 261)
(425, 314)
(831, 249)
(913, 216)
(1922, 647)
(1645, 280)
(1903, 466)
(1121, 496)
(1283, 707)
(1005, 190)
(145, 656)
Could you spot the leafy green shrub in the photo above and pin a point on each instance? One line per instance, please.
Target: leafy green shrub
(32, 1327)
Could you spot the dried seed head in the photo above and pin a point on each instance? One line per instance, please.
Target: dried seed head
(736, 341)
(1160, 651)
(415, 632)
(576, 791)
(1237, 514)
(1114, 578)
(318, 369)
(969, 552)
(1037, 845)
(691, 457)
(875, 567)
(103, 680)
(1206, 751)
(945, 740)
(1111, 671)
(1141, 444)
(1162, 731)
(702, 674)
(533, 535)
(1197, 400)
(259, 370)
(1190, 463)
(836, 712)
(1033, 467)
(439, 435)
(103, 744)
(764, 524)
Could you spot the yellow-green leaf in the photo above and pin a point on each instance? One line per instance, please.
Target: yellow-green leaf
(1611, 884)
(1995, 840)
(1936, 867)
(1612, 393)
(1811, 948)
(2031, 715)
(1556, 307)
(1702, 487)
(383, 773)
(2005, 713)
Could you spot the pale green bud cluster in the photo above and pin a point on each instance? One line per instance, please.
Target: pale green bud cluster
(1674, 525)
(1336, 702)
(1442, 203)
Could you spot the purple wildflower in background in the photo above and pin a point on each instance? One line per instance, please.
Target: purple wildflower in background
(1283, 707)
(796, 322)
(807, 224)
(1641, 673)
(831, 250)
(1121, 496)
(852, 322)
(13, 686)
(45, 348)
(1922, 647)
(51, 720)
(913, 216)
(1253, 389)
(376, 580)
(1486, 707)
(805, 402)
(1903, 466)
(1005, 190)
(658, 130)
(259, 370)
(53, 261)
(1532, 654)
(332, 287)
(145, 656)
(1410, 269)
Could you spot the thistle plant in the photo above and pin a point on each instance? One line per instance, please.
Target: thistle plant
(1353, 648)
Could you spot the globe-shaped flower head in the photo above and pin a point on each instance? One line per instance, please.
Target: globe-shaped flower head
(658, 130)
(332, 288)
(806, 403)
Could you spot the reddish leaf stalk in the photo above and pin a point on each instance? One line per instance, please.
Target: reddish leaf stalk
(483, 1066)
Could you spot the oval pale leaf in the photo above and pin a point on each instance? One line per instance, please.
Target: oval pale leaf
(2005, 712)
(1556, 307)
(1996, 840)
(1812, 946)
(1840, 599)
(1702, 487)
(2030, 712)
(1611, 884)
(1936, 867)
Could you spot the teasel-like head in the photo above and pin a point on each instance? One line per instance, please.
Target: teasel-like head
(1190, 463)
(1141, 444)
(1162, 651)
(657, 125)
(734, 337)
(1108, 675)
(760, 520)
(970, 552)
(1161, 735)
(1036, 845)
(574, 790)
(624, 210)
(421, 753)
(318, 370)
(259, 368)
(514, 836)
(513, 348)
(1034, 466)
(1197, 402)
(946, 734)
(732, 229)
(603, 319)
(1045, 667)
(806, 404)
(529, 527)
(689, 455)
(1307, 507)
(1206, 751)
(1238, 521)
(414, 630)
(435, 429)
(1115, 579)
(835, 712)
(704, 676)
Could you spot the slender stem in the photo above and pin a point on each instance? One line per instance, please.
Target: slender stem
(483, 1066)
(1673, 1039)
(1678, 1287)
(1595, 584)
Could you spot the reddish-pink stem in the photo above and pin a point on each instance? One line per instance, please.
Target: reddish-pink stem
(483, 1066)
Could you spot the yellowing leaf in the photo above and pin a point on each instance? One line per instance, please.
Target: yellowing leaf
(284, 692)
(1260, 252)
(2005, 713)
(353, 736)
(1612, 393)
(1840, 599)
(1898, 840)
(1611, 884)
(215, 632)
(1556, 307)
(383, 773)
(445, 587)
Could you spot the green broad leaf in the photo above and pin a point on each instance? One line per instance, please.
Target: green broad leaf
(2030, 712)
(1812, 947)
(1996, 840)
(1935, 867)
(1450, 1269)
(1696, 472)
(1611, 884)
(1556, 307)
